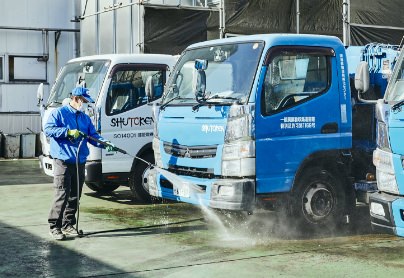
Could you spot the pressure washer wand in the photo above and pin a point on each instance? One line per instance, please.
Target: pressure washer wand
(102, 142)
(115, 148)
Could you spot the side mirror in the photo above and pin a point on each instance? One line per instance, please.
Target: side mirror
(39, 93)
(149, 88)
(362, 77)
(199, 80)
(201, 64)
(362, 81)
(81, 80)
(199, 84)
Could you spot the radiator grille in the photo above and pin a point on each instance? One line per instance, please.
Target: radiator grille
(190, 152)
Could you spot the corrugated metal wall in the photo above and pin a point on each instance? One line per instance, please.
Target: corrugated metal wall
(21, 41)
(17, 123)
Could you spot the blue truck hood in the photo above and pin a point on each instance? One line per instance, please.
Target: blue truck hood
(180, 125)
(396, 131)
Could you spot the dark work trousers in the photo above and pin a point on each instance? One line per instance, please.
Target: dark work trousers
(64, 204)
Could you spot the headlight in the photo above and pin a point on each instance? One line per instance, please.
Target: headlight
(238, 159)
(382, 138)
(155, 117)
(377, 209)
(386, 182)
(157, 154)
(383, 161)
(244, 167)
(237, 150)
(238, 155)
(240, 124)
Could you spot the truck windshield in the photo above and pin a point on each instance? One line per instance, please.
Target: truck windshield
(395, 88)
(229, 73)
(90, 72)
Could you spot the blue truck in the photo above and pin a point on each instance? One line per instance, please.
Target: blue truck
(387, 205)
(268, 121)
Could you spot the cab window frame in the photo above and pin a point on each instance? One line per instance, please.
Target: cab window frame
(278, 51)
(133, 67)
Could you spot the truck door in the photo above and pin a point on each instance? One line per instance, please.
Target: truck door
(126, 119)
(298, 113)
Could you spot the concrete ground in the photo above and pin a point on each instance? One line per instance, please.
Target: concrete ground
(124, 238)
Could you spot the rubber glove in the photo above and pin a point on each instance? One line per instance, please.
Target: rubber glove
(73, 133)
(110, 147)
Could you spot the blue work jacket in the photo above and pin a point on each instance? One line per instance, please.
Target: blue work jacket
(61, 146)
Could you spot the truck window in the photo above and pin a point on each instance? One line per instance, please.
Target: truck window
(229, 74)
(127, 89)
(292, 78)
(396, 84)
(219, 78)
(91, 74)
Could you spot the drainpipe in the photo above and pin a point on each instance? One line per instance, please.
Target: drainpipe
(221, 19)
(97, 29)
(297, 17)
(114, 29)
(45, 46)
(131, 29)
(346, 21)
(139, 31)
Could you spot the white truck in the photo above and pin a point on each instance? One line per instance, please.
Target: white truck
(121, 114)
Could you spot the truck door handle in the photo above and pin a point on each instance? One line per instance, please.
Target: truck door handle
(329, 128)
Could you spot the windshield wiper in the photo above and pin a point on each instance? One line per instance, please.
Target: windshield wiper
(52, 103)
(397, 105)
(208, 101)
(166, 103)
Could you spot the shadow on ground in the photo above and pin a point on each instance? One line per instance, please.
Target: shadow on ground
(24, 255)
(124, 196)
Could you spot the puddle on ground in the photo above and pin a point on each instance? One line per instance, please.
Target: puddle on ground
(197, 226)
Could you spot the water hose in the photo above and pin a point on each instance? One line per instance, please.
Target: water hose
(79, 232)
(106, 143)
(168, 175)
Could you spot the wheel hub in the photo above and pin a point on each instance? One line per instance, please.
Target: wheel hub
(318, 202)
(144, 179)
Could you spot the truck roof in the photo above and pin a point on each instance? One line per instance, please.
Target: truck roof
(277, 39)
(130, 58)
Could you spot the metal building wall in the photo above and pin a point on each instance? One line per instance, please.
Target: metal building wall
(21, 24)
(106, 30)
(124, 26)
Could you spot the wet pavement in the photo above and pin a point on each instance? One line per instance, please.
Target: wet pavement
(124, 238)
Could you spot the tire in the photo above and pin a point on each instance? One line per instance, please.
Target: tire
(319, 200)
(136, 181)
(102, 188)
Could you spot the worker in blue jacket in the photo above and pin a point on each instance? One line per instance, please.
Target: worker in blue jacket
(63, 128)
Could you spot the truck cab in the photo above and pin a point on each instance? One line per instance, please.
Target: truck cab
(387, 205)
(268, 121)
(258, 120)
(121, 113)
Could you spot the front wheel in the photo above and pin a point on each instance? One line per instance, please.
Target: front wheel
(319, 199)
(102, 188)
(138, 179)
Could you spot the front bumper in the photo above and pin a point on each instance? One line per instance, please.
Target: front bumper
(387, 213)
(94, 174)
(231, 194)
